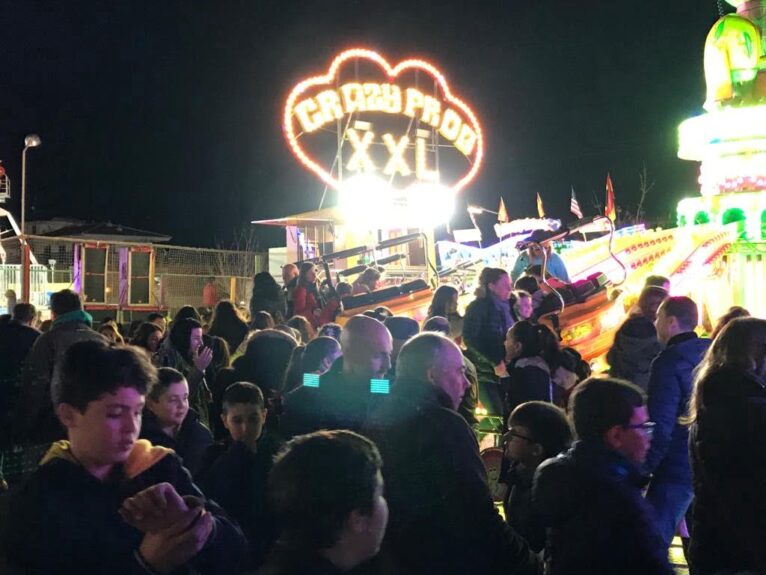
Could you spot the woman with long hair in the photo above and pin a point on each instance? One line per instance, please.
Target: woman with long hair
(733, 313)
(444, 304)
(149, 337)
(304, 327)
(183, 350)
(367, 282)
(307, 300)
(487, 319)
(228, 325)
(267, 296)
(727, 446)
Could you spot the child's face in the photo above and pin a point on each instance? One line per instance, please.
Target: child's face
(104, 434)
(244, 422)
(525, 307)
(521, 447)
(173, 405)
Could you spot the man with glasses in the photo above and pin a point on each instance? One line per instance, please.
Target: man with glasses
(537, 430)
(589, 498)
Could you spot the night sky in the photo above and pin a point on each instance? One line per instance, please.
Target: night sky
(166, 115)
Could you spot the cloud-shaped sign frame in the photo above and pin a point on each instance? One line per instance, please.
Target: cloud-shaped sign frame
(392, 72)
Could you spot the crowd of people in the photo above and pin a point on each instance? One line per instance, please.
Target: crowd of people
(273, 440)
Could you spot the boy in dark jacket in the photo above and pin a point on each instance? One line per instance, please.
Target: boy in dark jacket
(170, 422)
(536, 431)
(331, 521)
(105, 501)
(589, 498)
(235, 471)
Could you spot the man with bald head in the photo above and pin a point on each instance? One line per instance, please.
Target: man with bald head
(289, 283)
(343, 397)
(441, 515)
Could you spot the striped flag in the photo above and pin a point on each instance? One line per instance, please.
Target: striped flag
(611, 209)
(574, 205)
(540, 208)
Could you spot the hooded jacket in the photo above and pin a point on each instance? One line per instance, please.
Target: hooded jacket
(190, 443)
(66, 521)
(589, 499)
(635, 347)
(441, 515)
(728, 454)
(670, 387)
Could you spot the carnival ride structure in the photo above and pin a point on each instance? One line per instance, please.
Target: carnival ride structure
(699, 256)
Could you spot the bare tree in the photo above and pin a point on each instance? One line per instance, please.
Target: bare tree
(645, 186)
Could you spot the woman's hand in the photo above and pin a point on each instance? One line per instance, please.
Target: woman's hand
(202, 358)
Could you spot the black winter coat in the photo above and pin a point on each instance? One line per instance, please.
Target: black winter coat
(236, 478)
(728, 454)
(635, 347)
(484, 329)
(670, 387)
(190, 442)
(286, 560)
(529, 380)
(35, 420)
(590, 500)
(16, 339)
(441, 515)
(336, 404)
(63, 520)
(517, 504)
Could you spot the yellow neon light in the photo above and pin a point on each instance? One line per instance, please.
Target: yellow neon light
(396, 162)
(360, 161)
(312, 113)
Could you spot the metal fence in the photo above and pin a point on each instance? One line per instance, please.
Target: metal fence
(179, 274)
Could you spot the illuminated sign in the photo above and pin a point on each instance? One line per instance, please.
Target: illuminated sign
(401, 124)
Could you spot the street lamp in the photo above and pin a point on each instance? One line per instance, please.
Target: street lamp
(479, 210)
(31, 141)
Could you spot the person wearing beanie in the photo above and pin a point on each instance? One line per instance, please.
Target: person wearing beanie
(402, 329)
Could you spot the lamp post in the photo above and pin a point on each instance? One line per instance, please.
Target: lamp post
(31, 141)
(475, 210)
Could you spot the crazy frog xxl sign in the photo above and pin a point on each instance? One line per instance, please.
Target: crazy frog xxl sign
(401, 123)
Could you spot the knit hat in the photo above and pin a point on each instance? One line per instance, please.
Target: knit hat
(402, 327)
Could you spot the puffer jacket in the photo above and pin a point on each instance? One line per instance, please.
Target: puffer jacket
(670, 386)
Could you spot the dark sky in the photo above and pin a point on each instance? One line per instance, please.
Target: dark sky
(166, 115)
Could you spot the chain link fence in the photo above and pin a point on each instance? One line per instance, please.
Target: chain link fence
(159, 275)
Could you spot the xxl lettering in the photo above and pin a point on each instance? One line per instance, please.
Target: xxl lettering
(360, 160)
(396, 162)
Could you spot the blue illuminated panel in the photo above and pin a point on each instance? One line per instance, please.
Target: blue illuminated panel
(382, 386)
(310, 380)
